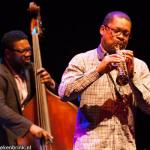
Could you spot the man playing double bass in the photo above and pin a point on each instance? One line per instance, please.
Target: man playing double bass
(17, 88)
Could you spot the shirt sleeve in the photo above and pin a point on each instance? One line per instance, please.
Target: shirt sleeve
(75, 78)
(142, 83)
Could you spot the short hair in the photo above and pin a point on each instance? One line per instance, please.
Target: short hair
(9, 38)
(109, 17)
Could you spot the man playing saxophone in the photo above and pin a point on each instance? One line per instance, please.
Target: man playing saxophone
(106, 113)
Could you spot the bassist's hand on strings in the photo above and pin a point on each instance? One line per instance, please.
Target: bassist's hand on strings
(46, 78)
(41, 133)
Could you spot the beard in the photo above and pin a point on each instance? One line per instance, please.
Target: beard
(27, 65)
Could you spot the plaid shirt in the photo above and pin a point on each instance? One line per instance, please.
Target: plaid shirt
(104, 121)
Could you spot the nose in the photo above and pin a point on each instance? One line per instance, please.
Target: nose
(28, 53)
(121, 35)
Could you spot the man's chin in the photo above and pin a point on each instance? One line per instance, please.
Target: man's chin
(27, 64)
(112, 51)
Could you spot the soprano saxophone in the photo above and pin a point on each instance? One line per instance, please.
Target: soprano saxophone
(122, 76)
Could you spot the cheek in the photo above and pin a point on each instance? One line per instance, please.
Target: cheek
(109, 41)
(126, 41)
(108, 38)
(19, 59)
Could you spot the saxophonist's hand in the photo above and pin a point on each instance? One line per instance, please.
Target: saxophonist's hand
(106, 64)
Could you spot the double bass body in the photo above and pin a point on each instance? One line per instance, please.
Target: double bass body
(62, 117)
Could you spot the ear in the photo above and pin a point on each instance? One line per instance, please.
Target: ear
(102, 30)
(6, 53)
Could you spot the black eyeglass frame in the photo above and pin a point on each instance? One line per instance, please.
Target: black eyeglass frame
(117, 32)
(22, 51)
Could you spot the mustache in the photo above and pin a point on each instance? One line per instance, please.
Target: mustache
(120, 45)
(117, 46)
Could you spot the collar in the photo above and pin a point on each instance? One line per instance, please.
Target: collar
(101, 52)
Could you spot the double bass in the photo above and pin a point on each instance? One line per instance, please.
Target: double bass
(46, 109)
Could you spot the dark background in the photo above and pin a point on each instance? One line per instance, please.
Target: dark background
(72, 27)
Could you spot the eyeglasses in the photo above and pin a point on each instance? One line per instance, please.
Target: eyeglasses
(118, 32)
(22, 51)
